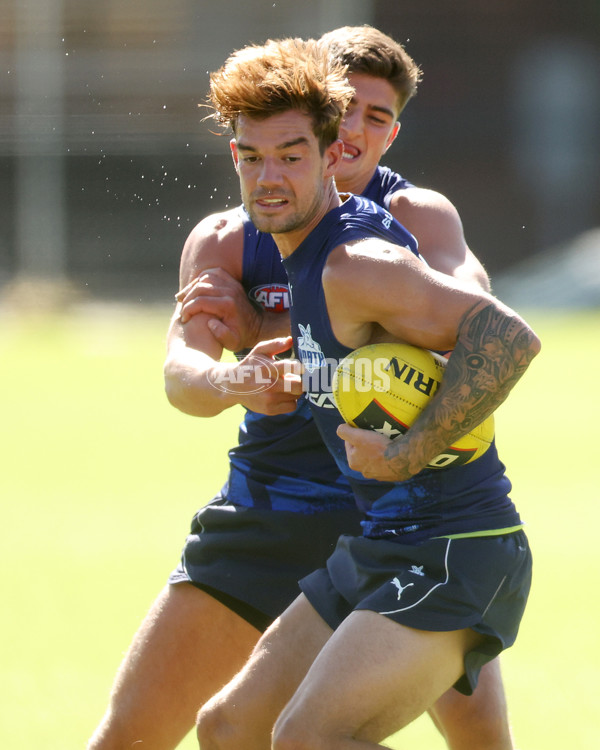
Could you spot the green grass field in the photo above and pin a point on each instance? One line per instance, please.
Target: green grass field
(101, 476)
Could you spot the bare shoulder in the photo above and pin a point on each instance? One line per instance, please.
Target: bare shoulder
(356, 256)
(215, 242)
(436, 224)
(359, 267)
(417, 206)
(373, 289)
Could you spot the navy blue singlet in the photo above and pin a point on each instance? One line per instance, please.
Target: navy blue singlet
(383, 185)
(281, 462)
(461, 499)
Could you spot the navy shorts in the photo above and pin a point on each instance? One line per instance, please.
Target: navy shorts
(251, 560)
(440, 584)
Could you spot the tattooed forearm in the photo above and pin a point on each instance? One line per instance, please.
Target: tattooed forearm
(494, 348)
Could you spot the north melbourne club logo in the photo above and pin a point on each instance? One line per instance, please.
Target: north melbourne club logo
(309, 350)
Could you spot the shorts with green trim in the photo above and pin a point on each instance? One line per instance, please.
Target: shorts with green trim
(251, 560)
(441, 584)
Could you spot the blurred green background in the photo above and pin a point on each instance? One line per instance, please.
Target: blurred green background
(100, 478)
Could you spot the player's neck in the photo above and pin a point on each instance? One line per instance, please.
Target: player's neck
(353, 185)
(287, 242)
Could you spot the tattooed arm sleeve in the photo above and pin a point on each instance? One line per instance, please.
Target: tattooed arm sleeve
(494, 348)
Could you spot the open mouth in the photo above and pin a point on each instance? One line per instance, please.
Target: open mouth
(271, 202)
(350, 152)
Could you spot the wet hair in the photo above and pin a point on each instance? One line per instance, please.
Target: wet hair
(282, 75)
(365, 49)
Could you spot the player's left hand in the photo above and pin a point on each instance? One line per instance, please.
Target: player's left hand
(366, 451)
(235, 322)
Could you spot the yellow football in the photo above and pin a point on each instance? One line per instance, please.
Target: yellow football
(384, 387)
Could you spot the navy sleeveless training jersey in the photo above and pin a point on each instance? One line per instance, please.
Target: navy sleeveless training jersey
(280, 462)
(462, 499)
(383, 185)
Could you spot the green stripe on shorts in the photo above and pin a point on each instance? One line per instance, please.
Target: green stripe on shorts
(487, 532)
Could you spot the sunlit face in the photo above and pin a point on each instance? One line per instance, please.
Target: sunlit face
(282, 173)
(367, 130)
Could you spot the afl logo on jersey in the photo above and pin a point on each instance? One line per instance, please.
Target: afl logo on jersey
(271, 297)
